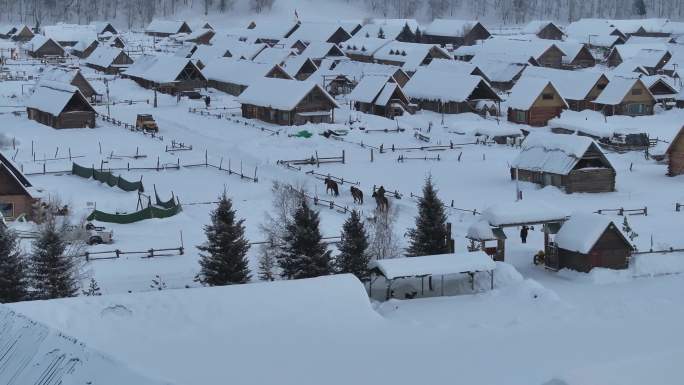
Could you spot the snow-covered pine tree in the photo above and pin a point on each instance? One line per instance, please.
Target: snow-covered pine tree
(381, 33)
(304, 254)
(419, 35)
(267, 263)
(53, 272)
(93, 289)
(353, 257)
(224, 257)
(430, 235)
(628, 230)
(13, 272)
(639, 8)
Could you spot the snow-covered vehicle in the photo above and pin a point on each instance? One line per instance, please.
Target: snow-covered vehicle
(145, 122)
(98, 235)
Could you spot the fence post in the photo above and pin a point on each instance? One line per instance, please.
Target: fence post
(645, 211)
(371, 153)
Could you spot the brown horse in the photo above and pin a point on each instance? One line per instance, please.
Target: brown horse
(381, 201)
(357, 194)
(331, 187)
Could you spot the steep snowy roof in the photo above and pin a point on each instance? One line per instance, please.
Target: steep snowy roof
(586, 27)
(526, 91)
(411, 55)
(159, 69)
(481, 230)
(450, 27)
(242, 72)
(274, 55)
(570, 48)
(582, 230)
(165, 26)
(59, 74)
(454, 66)
(572, 85)
(70, 32)
(511, 44)
(315, 31)
(535, 26)
(524, 211)
(103, 56)
(280, 94)
(633, 25)
(441, 264)
(596, 40)
(319, 50)
(101, 25)
(361, 45)
(82, 45)
(294, 64)
(429, 84)
(37, 42)
(368, 89)
(390, 31)
(355, 70)
(499, 69)
(51, 96)
(617, 90)
(552, 153)
(631, 51)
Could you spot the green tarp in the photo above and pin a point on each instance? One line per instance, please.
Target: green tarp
(148, 213)
(168, 204)
(106, 177)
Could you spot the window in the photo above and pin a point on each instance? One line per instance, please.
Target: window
(520, 116)
(636, 109)
(637, 91)
(7, 209)
(547, 96)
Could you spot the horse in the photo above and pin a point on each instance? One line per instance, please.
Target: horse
(381, 201)
(357, 194)
(331, 187)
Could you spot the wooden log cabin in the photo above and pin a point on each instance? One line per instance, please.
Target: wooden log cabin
(19, 32)
(625, 96)
(60, 105)
(409, 56)
(84, 48)
(42, 47)
(547, 30)
(586, 241)
(448, 92)
(454, 32)
(166, 28)
(166, 74)
(70, 76)
(577, 55)
(578, 88)
(572, 163)
(17, 195)
(109, 60)
(287, 102)
(379, 95)
(234, 76)
(675, 155)
(534, 101)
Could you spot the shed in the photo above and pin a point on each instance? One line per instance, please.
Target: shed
(166, 28)
(167, 74)
(41, 47)
(104, 27)
(661, 87)
(577, 55)
(625, 96)
(433, 265)
(17, 196)
(534, 101)
(586, 241)
(570, 162)
(543, 29)
(320, 32)
(447, 92)
(19, 32)
(60, 105)
(84, 48)
(299, 67)
(379, 95)
(200, 36)
(287, 102)
(109, 60)
(675, 155)
(234, 76)
(69, 76)
(317, 51)
(67, 35)
(578, 88)
(409, 56)
(455, 32)
(362, 48)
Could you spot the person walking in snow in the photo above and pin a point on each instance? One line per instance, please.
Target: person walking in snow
(523, 234)
(207, 101)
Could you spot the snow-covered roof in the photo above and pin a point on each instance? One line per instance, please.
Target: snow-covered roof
(38, 41)
(441, 264)
(196, 34)
(522, 212)
(581, 232)
(100, 26)
(165, 26)
(319, 50)
(481, 231)
(294, 64)
(499, 69)
(430, 84)
(158, 68)
(242, 72)
(616, 91)
(265, 30)
(82, 45)
(390, 31)
(519, 46)
(596, 40)
(633, 25)
(648, 40)
(355, 70)
(103, 56)
(571, 85)
(411, 55)
(280, 94)
(526, 91)
(535, 26)
(454, 66)
(236, 47)
(449, 27)
(274, 55)
(314, 31)
(570, 48)
(368, 89)
(51, 97)
(59, 74)
(552, 153)
(646, 54)
(667, 81)
(586, 27)
(70, 32)
(596, 124)
(361, 45)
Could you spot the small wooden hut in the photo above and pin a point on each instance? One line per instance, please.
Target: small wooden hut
(379, 95)
(16, 193)
(454, 32)
(41, 47)
(625, 96)
(60, 105)
(109, 60)
(675, 155)
(534, 101)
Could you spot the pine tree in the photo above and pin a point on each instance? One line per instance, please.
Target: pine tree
(353, 257)
(406, 34)
(639, 7)
(13, 272)
(381, 33)
(267, 264)
(430, 235)
(224, 261)
(419, 36)
(304, 254)
(53, 273)
(627, 229)
(93, 289)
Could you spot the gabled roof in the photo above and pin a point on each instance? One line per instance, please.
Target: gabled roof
(410, 54)
(663, 80)
(527, 90)
(618, 89)
(294, 64)
(571, 85)
(571, 49)
(100, 26)
(82, 45)
(581, 232)
(160, 68)
(586, 27)
(597, 40)
(368, 89)
(103, 56)
(280, 94)
(391, 28)
(52, 97)
(18, 176)
(241, 72)
(355, 70)
(197, 33)
(445, 87)
(499, 69)
(361, 45)
(233, 46)
(450, 27)
(59, 74)
(455, 66)
(646, 54)
(38, 41)
(553, 153)
(70, 32)
(321, 32)
(319, 50)
(535, 26)
(507, 45)
(266, 30)
(272, 55)
(165, 26)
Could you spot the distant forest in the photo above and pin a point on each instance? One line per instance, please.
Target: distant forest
(137, 13)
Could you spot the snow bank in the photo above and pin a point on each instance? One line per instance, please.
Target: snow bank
(524, 211)
(658, 264)
(32, 353)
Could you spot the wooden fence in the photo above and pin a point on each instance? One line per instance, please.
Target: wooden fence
(622, 211)
(115, 254)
